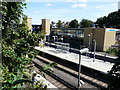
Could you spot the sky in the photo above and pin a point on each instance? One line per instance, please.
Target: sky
(67, 10)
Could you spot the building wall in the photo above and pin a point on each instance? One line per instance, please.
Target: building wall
(46, 26)
(110, 38)
(97, 34)
(29, 23)
(86, 38)
(104, 39)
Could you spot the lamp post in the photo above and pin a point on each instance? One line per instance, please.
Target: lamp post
(85, 50)
(94, 50)
(89, 45)
(91, 40)
(62, 38)
(54, 40)
(62, 42)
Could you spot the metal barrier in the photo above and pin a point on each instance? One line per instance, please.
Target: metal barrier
(62, 46)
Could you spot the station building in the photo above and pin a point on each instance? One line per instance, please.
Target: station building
(104, 37)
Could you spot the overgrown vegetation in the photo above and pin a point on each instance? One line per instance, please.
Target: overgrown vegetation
(114, 77)
(112, 51)
(114, 73)
(17, 46)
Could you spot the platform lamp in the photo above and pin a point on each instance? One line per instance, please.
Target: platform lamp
(89, 44)
(94, 50)
(84, 50)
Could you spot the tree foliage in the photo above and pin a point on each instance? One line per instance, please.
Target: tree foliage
(114, 74)
(73, 24)
(59, 24)
(17, 42)
(112, 20)
(101, 21)
(85, 23)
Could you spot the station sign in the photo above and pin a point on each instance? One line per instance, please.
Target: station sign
(112, 30)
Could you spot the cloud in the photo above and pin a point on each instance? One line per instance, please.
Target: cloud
(77, 0)
(114, 4)
(36, 12)
(79, 5)
(99, 6)
(48, 5)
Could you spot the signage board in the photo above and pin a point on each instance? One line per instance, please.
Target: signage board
(111, 29)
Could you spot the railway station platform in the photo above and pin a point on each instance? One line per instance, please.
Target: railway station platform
(73, 57)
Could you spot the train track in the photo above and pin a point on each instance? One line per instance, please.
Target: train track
(55, 78)
(74, 66)
(48, 76)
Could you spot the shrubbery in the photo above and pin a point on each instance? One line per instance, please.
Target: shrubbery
(17, 41)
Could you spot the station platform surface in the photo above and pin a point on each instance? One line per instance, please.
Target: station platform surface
(97, 53)
(73, 57)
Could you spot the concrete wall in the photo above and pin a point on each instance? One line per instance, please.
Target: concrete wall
(109, 39)
(46, 26)
(99, 36)
(104, 39)
(87, 31)
(29, 23)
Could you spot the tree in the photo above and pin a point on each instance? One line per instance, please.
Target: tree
(73, 24)
(112, 20)
(52, 25)
(16, 44)
(85, 23)
(59, 24)
(114, 74)
(66, 25)
(102, 22)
